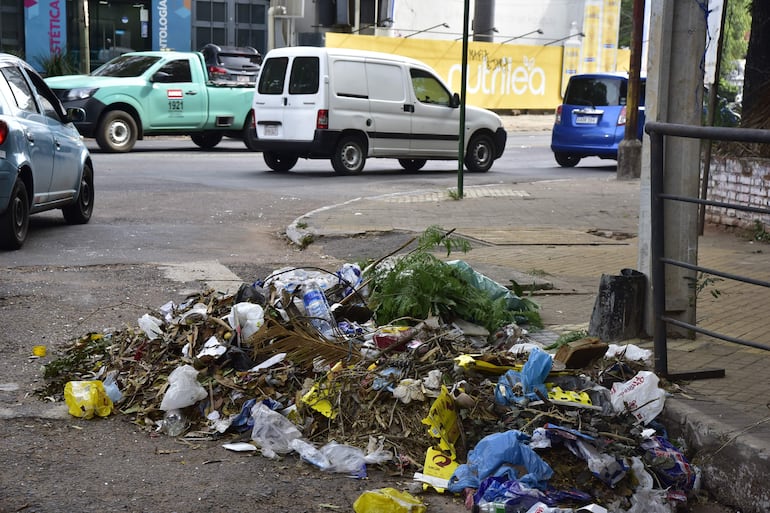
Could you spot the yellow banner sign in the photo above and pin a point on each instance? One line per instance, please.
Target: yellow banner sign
(500, 76)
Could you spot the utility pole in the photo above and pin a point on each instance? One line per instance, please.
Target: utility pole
(674, 94)
(630, 148)
(85, 47)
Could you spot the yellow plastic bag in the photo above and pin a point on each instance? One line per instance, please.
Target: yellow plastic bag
(388, 500)
(87, 398)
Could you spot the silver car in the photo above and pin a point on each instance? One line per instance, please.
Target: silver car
(44, 163)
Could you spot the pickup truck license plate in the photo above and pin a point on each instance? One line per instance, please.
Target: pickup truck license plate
(586, 120)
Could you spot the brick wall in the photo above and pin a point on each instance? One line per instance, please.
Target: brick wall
(743, 181)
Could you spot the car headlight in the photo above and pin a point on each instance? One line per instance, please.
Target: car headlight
(80, 93)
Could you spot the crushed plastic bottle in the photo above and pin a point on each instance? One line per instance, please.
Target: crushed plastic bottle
(317, 308)
(174, 423)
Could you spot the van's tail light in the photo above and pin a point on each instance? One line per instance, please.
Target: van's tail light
(558, 115)
(622, 117)
(3, 131)
(322, 120)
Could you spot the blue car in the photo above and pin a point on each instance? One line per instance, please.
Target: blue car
(44, 164)
(592, 120)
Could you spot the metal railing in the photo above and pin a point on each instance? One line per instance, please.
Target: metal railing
(658, 131)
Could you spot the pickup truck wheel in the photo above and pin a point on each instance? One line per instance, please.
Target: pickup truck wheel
(206, 140)
(566, 160)
(278, 162)
(250, 132)
(14, 222)
(80, 211)
(412, 164)
(480, 154)
(117, 132)
(349, 156)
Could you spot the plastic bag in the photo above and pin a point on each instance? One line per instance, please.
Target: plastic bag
(388, 500)
(640, 396)
(183, 389)
(87, 398)
(151, 326)
(272, 432)
(515, 387)
(345, 459)
(246, 319)
(498, 454)
(669, 464)
(309, 453)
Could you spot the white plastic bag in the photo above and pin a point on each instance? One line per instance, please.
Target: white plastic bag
(183, 389)
(151, 326)
(246, 318)
(344, 459)
(640, 396)
(272, 432)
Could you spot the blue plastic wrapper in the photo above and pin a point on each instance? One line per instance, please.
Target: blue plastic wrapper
(516, 493)
(675, 471)
(515, 387)
(244, 421)
(606, 468)
(499, 455)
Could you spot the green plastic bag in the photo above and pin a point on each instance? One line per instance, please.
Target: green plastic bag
(388, 500)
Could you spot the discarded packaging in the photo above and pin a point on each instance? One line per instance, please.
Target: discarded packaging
(388, 500)
(87, 398)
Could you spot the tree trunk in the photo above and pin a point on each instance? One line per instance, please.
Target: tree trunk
(757, 75)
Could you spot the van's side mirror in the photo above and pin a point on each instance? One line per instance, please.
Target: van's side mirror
(455, 101)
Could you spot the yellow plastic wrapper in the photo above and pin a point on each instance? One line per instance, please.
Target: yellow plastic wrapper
(87, 398)
(388, 500)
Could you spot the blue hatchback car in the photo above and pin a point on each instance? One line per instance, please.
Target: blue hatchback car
(44, 164)
(592, 120)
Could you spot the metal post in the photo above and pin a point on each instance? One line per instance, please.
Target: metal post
(463, 87)
(657, 267)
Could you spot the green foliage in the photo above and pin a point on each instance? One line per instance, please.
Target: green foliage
(759, 233)
(566, 338)
(418, 285)
(58, 64)
(735, 43)
(702, 282)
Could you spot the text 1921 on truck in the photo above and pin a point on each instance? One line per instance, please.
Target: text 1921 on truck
(156, 93)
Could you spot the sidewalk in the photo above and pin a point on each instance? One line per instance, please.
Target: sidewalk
(562, 236)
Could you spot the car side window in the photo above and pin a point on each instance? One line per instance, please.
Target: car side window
(177, 71)
(428, 89)
(20, 90)
(6, 96)
(273, 75)
(304, 76)
(51, 106)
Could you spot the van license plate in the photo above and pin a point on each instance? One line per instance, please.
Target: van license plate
(586, 120)
(271, 130)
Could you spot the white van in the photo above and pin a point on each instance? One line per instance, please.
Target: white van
(349, 105)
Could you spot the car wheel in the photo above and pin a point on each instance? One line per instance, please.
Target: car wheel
(206, 140)
(349, 156)
(80, 211)
(117, 132)
(278, 162)
(249, 134)
(566, 159)
(480, 154)
(14, 222)
(412, 164)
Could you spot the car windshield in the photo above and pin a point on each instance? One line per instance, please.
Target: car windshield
(596, 91)
(125, 66)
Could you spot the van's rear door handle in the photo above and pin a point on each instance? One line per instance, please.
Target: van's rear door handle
(408, 108)
(285, 101)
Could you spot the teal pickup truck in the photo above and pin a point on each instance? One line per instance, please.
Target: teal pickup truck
(157, 93)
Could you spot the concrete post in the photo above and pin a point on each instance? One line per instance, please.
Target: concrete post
(674, 95)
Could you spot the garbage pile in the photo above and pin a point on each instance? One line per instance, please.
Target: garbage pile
(420, 367)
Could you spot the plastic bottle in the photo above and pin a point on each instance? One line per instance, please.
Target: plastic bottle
(174, 423)
(317, 308)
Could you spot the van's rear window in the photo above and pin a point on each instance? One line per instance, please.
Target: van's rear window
(273, 75)
(304, 76)
(596, 91)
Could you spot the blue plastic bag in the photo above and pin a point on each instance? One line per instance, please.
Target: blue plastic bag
(515, 387)
(499, 455)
